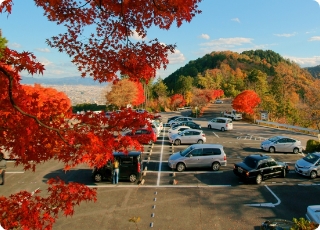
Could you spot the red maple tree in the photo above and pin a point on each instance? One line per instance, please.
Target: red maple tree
(177, 101)
(33, 122)
(140, 98)
(246, 101)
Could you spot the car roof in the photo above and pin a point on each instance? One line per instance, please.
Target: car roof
(225, 118)
(207, 146)
(259, 156)
(131, 153)
(198, 130)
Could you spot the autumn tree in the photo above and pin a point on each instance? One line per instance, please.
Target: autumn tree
(246, 101)
(177, 101)
(97, 39)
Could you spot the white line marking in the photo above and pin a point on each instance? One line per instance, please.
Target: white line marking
(159, 173)
(270, 205)
(161, 186)
(14, 172)
(215, 134)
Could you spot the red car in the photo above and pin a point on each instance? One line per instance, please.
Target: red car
(144, 136)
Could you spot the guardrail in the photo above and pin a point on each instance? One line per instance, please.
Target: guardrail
(291, 127)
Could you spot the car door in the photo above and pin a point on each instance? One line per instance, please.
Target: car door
(264, 169)
(125, 166)
(280, 145)
(193, 160)
(291, 144)
(275, 169)
(187, 137)
(209, 155)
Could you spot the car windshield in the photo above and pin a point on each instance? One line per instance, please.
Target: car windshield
(186, 151)
(251, 162)
(273, 139)
(311, 158)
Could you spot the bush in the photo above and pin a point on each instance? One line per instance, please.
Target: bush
(312, 146)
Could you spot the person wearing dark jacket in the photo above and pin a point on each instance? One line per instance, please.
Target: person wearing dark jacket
(3, 166)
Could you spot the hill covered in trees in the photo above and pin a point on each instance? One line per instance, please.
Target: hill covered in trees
(287, 91)
(314, 71)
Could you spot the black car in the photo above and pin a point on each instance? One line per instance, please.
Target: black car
(130, 167)
(258, 167)
(191, 124)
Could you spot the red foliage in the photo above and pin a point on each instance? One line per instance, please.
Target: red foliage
(246, 101)
(140, 96)
(217, 93)
(177, 101)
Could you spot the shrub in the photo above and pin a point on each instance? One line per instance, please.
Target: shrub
(312, 146)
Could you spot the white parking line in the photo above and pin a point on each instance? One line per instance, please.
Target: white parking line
(159, 171)
(215, 134)
(271, 205)
(15, 172)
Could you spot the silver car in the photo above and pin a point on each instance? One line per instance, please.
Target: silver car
(188, 136)
(199, 156)
(281, 144)
(309, 165)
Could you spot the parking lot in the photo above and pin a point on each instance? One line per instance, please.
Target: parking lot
(193, 199)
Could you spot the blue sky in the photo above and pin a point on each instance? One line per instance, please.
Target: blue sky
(288, 27)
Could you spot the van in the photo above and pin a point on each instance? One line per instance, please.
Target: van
(130, 167)
(199, 156)
(221, 123)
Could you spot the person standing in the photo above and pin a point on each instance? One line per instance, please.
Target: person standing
(3, 166)
(115, 178)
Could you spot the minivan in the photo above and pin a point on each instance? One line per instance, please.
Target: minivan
(199, 156)
(130, 167)
(221, 123)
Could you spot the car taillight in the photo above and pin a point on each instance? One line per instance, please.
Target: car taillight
(138, 169)
(247, 173)
(225, 158)
(203, 135)
(226, 125)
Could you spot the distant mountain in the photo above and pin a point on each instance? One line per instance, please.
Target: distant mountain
(61, 81)
(314, 71)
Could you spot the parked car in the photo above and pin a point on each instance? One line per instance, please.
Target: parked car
(199, 156)
(191, 124)
(177, 129)
(313, 214)
(234, 115)
(221, 123)
(281, 144)
(179, 119)
(258, 167)
(277, 224)
(144, 136)
(309, 165)
(189, 136)
(218, 101)
(130, 167)
(173, 118)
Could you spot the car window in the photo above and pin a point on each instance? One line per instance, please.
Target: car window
(251, 162)
(186, 151)
(290, 140)
(139, 131)
(283, 140)
(196, 152)
(126, 160)
(311, 158)
(188, 133)
(196, 133)
(211, 151)
(214, 120)
(263, 165)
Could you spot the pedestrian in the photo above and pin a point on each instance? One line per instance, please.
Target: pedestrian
(3, 166)
(115, 165)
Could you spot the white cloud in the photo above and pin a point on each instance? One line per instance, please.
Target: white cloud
(305, 62)
(228, 42)
(314, 38)
(43, 50)
(176, 58)
(136, 36)
(205, 36)
(15, 45)
(236, 20)
(285, 35)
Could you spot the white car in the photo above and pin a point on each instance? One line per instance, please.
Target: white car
(177, 130)
(313, 213)
(218, 101)
(179, 119)
(220, 123)
(281, 144)
(188, 136)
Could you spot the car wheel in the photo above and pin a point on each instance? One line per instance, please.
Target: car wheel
(284, 173)
(97, 177)
(222, 129)
(180, 167)
(215, 166)
(209, 126)
(133, 178)
(258, 179)
(313, 174)
(200, 142)
(295, 150)
(272, 149)
(177, 142)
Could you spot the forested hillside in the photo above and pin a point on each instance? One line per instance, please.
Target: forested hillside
(289, 93)
(315, 71)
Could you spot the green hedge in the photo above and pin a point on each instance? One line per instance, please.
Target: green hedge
(312, 146)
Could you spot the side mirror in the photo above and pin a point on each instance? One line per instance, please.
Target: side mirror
(190, 155)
